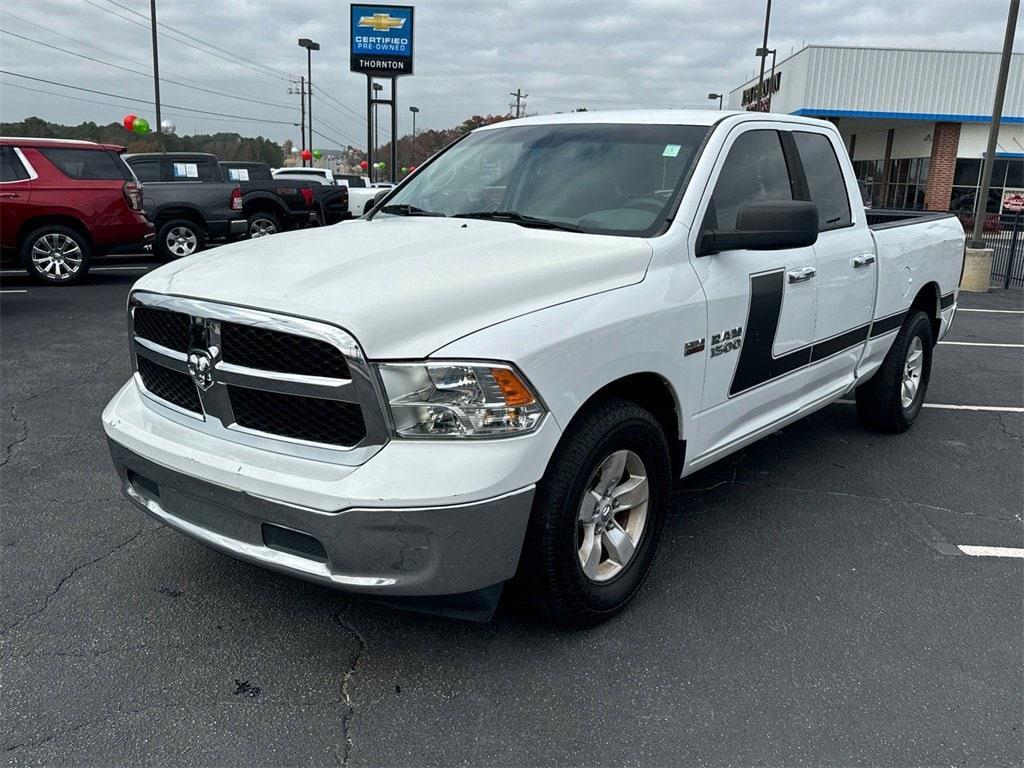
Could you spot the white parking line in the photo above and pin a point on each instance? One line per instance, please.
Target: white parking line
(995, 311)
(975, 551)
(11, 291)
(144, 268)
(951, 407)
(980, 344)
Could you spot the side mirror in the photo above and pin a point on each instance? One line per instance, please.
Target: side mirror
(766, 226)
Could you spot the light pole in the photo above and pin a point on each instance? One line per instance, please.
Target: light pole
(310, 46)
(763, 52)
(713, 96)
(415, 111)
(377, 88)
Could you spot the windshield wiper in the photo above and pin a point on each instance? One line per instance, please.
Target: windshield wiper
(519, 218)
(404, 209)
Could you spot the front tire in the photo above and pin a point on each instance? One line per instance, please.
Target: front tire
(891, 399)
(597, 516)
(178, 238)
(56, 255)
(262, 224)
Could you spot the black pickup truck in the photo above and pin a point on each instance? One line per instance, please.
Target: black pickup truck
(187, 199)
(271, 205)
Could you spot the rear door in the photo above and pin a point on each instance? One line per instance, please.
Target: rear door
(15, 194)
(761, 304)
(845, 256)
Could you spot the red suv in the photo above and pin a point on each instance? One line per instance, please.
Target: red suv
(63, 202)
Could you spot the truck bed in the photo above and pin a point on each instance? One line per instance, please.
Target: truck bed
(886, 218)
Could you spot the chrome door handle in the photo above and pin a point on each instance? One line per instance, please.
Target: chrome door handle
(802, 275)
(10, 194)
(863, 261)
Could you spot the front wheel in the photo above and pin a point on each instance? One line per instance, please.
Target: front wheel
(178, 238)
(891, 399)
(262, 224)
(597, 516)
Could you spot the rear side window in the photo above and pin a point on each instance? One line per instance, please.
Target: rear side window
(87, 164)
(146, 170)
(754, 172)
(11, 168)
(824, 180)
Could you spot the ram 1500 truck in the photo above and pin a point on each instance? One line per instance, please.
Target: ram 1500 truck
(498, 374)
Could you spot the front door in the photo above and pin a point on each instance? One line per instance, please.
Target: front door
(15, 191)
(761, 304)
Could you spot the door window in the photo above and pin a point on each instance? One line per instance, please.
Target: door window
(755, 171)
(825, 179)
(146, 170)
(11, 168)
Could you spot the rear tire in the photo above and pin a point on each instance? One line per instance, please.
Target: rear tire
(891, 399)
(56, 255)
(611, 467)
(178, 238)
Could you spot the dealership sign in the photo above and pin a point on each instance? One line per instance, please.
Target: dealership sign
(1013, 200)
(381, 40)
(755, 98)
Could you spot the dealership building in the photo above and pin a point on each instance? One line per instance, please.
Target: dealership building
(915, 122)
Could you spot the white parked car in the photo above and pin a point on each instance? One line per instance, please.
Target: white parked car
(500, 373)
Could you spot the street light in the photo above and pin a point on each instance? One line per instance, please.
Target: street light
(713, 96)
(310, 46)
(763, 53)
(415, 111)
(377, 88)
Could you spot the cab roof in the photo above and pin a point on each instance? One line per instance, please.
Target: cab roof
(706, 117)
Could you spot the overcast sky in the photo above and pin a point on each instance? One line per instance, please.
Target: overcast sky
(602, 54)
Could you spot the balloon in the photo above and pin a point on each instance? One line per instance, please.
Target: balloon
(167, 126)
(363, 164)
(140, 125)
(405, 169)
(129, 121)
(306, 154)
(295, 150)
(381, 165)
(412, 168)
(317, 154)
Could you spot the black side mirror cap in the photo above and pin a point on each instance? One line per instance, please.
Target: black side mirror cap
(765, 226)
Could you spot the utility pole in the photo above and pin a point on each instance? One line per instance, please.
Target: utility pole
(310, 46)
(520, 99)
(764, 55)
(302, 110)
(156, 75)
(981, 204)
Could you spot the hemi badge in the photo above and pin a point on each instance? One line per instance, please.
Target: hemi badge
(693, 347)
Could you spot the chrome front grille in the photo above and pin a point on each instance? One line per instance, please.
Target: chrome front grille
(279, 382)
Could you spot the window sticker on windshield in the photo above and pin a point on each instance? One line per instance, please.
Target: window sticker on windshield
(238, 174)
(186, 171)
(671, 150)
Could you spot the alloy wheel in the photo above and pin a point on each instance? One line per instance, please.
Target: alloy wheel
(912, 370)
(56, 257)
(182, 241)
(262, 227)
(612, 515)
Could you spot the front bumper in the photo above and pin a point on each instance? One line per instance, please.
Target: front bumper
(415, 551)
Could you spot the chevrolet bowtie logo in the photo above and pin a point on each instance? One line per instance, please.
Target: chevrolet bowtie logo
(381, 22)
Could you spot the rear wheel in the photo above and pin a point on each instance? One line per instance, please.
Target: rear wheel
(597, 516)
(178, 238)
(891, 399)
(56, 255)
(262, 224)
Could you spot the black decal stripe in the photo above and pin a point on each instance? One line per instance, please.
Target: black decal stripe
(837, 344)
(756, 364)
(946, 301)
(888, 324)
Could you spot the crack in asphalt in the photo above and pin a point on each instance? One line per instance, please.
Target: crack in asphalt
(9, 447)
(53, 593)
(1006, 429)
(346, 682)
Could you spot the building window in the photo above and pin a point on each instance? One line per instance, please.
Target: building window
(1006, 173)
(907, 180)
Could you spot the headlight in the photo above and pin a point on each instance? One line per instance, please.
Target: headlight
(448, 399)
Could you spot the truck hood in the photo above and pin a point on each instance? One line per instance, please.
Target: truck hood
(406, 286)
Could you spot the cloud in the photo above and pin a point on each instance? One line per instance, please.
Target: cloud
(470, 54)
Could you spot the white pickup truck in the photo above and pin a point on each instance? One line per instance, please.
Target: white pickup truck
(497, 376)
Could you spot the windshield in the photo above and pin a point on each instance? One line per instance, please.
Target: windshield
(599, 178)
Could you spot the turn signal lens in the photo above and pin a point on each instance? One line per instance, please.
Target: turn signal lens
(515, 392)
(449, 399)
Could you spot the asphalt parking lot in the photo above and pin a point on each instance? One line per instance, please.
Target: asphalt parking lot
(810, 604)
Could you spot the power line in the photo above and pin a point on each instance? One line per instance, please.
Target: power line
(233, 60)
(183, 81)
(348, 140)
(249, 118)
(144, 74)
(279, 72)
